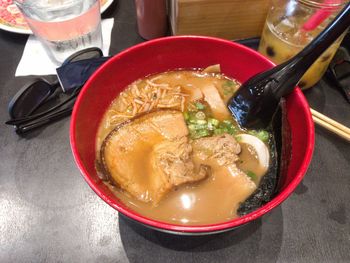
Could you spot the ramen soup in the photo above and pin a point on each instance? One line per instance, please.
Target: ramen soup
(169, 149)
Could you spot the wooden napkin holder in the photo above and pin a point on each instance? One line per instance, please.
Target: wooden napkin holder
(230, 19)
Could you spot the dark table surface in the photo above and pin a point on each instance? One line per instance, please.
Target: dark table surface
(49, 214)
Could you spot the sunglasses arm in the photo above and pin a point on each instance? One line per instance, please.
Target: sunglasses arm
(21, 129)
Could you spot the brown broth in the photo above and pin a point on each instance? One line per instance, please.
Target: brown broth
(212, 200)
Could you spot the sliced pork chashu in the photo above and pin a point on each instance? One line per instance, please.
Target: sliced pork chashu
(220, 152)
(150, 155)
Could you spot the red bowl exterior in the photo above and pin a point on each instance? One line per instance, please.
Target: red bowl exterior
(169, 53)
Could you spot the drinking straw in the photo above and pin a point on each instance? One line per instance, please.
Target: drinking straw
(319, 16)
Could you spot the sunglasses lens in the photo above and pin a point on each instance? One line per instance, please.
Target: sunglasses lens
(84, 54)
(30, 99)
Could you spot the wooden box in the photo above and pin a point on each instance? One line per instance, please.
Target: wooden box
(230, 19)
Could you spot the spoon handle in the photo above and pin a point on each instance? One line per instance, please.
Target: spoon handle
(290, 72)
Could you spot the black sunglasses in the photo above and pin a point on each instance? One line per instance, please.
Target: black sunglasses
(30, 97)
(40, 102)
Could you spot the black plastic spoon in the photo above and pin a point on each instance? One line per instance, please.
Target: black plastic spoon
(256, 101)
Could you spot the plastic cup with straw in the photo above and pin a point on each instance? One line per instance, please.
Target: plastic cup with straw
(286, 33)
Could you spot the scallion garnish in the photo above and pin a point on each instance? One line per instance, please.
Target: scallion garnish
(252, 175)
(199, 105)
(262, 135)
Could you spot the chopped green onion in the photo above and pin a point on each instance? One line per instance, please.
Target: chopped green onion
(192, 117)
(199, 133)
(227, 91)
(232, 130)
(191, 126)
(220, 131)
(214, 122)
(229, 87)
(200, 115)
(238, 138)
(227, 122)
(201, 122)
(229, 83)
(252, 175)
(210, 127)
(197, 126)
(199, 105)
(262, 135)
(203, 132)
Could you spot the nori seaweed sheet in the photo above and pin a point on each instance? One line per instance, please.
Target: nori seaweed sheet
(280, 148)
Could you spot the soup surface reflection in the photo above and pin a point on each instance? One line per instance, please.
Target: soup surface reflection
(171, 151)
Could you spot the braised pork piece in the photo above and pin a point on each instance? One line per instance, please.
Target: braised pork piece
(147, 157)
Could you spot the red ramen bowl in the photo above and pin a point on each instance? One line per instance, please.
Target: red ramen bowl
(237, 61)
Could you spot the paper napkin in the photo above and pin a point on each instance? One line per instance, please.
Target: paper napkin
(35, 60)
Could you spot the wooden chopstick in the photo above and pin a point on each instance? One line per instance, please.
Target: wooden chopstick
(331, 125)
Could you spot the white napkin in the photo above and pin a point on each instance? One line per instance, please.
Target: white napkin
(35, 60)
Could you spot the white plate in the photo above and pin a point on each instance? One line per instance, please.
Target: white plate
(105, 5)
(10, 26)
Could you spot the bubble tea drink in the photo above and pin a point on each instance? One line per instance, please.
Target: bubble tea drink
(63, 26)
(291, 25)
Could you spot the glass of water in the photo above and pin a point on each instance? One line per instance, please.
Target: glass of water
(63, 26)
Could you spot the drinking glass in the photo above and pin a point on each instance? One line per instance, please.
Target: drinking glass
(291, 25)
(63, 26)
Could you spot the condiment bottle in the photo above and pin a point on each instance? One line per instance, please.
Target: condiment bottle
(151, 18)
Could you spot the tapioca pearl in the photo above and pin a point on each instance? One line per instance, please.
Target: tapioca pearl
(270, 51)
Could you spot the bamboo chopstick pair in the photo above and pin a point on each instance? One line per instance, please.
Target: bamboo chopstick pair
(331, 125)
